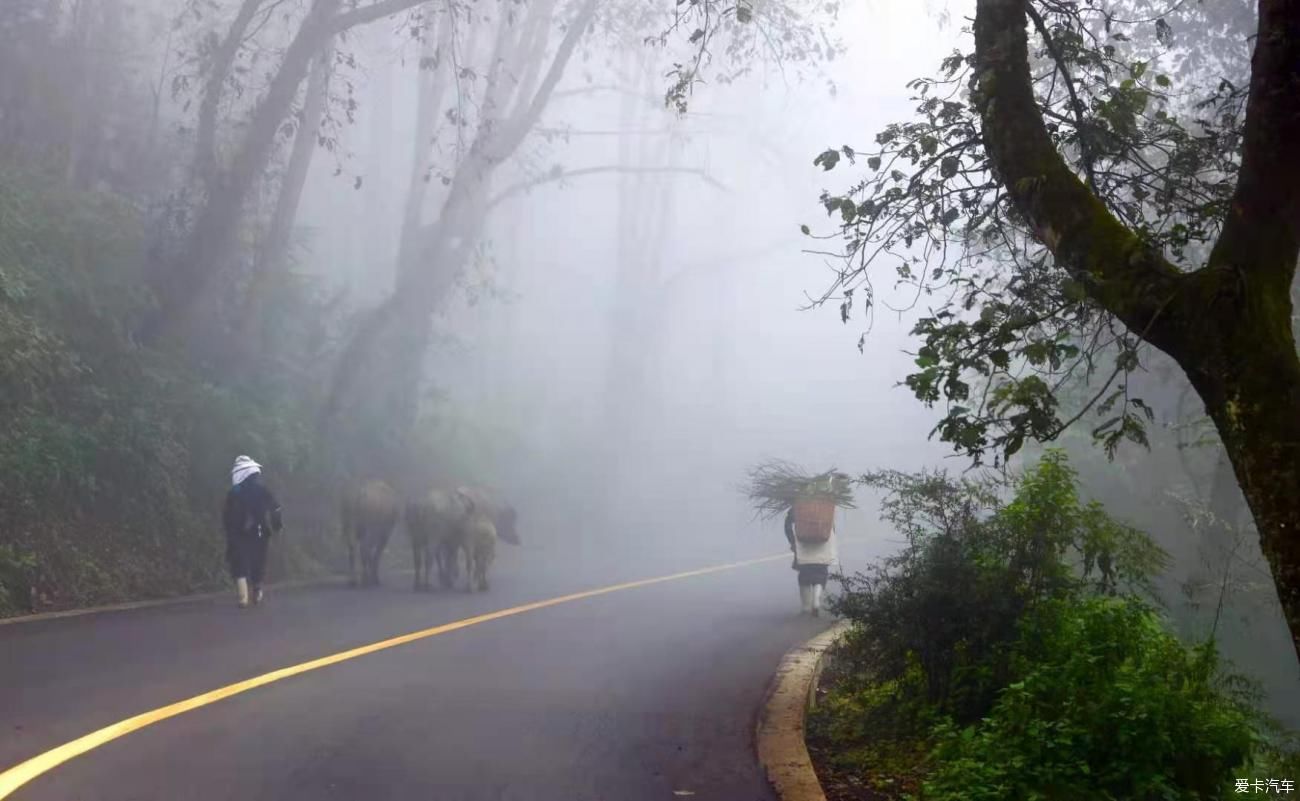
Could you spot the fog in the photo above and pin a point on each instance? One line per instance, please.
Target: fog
(624, 307)
(736, 366)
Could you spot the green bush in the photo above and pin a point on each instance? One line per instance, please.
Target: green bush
(15, 577)
(1109, 705)
(1008, 653)
(953, 599)
(114, 457)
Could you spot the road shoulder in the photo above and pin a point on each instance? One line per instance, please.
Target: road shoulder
(780, 738)
(174, 600)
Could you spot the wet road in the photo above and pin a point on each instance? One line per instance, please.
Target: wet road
(649, 692)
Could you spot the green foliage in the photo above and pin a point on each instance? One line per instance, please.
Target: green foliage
(114, 458)
(1008, 653)
(1147, 117)
(726, 36)
(1107, 705)
(951, 602)
(15, 577)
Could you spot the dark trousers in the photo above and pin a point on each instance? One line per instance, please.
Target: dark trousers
(812, 575)
(246, 555)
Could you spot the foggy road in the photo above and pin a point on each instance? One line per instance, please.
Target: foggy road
(636, 694)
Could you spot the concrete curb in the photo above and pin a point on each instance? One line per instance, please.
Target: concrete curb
(780, 740)
(175, 601)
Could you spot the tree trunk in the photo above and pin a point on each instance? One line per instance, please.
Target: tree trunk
(434, 80)
(275, 249)
(1256, 408)
(223, 60)
(274, 254)
(645, 203)
(433, 263)
(185, 284)
(1228, 324)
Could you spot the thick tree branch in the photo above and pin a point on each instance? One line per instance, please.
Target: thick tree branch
(532, 49)
(519, 127)
(368, 14)
(1262, 232)
(553, 177)
(223, 59)
(1085, 150)
(1126, 277)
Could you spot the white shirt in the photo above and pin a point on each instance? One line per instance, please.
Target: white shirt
(816, 553)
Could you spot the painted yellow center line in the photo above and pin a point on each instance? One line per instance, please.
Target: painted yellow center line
(18, 775)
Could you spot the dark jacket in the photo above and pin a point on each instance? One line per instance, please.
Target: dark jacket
(789, 527)
(251, 509)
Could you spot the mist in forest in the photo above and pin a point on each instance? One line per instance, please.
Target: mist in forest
(473, 246)
(642, 332)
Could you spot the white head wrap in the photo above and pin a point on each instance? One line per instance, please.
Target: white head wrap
(244, 467)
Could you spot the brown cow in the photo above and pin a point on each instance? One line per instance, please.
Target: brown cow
(445, 523)
(432, 522)
(369, 513)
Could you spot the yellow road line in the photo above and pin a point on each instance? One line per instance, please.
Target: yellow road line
(17, 776)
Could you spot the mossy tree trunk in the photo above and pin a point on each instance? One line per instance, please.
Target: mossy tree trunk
(1227, 324)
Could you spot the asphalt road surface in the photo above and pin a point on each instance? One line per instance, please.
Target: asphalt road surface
(649, 692)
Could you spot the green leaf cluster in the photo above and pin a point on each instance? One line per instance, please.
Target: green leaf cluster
(1011, 650)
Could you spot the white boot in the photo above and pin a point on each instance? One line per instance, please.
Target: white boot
(817, 600)
(806, 598)
(241, 587)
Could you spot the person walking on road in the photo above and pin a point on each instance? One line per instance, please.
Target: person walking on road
(813, 562)
(251, 515)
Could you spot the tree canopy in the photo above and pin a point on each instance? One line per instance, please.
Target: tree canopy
(1086, 181)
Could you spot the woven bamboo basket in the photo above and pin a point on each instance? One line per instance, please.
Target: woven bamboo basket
(813, 519)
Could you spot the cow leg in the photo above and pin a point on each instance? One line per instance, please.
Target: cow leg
(447, 564)
(352, 559)
(363, 562)
(380, 545)
(469, 569)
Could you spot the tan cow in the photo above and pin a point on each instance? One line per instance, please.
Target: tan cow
(478, 539)
(369, 513)
(446, 523)
(433, 522)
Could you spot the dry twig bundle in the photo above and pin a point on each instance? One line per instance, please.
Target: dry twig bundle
(775, 485)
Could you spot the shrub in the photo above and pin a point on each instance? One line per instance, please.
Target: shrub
(114, 457)
(953, 600)
(1008, 653)
(1108, 705)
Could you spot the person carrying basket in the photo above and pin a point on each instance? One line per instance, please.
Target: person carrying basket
(814, 553)
(808, 503)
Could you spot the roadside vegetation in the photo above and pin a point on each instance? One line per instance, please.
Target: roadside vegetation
(165, 307)
(1014, 649)
(111, 453)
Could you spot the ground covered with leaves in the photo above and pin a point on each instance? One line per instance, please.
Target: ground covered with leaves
(1012, 651)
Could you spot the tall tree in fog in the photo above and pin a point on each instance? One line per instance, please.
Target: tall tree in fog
(488, 82)
(71, 91)
(506, 67)
(185, 281)
(273, 251)
(1091, 195)
(645, 212)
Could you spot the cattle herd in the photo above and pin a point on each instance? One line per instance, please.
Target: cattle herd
(444, 524)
